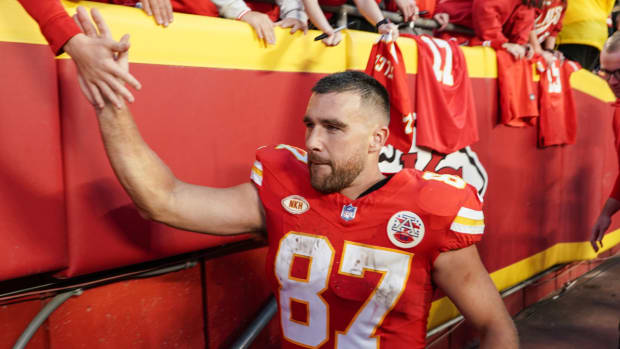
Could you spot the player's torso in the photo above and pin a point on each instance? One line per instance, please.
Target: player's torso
(352, 274)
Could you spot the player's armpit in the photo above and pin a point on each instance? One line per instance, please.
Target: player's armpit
(463, 278)
(219, 211)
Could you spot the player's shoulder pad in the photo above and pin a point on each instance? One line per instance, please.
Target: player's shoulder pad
(445, 194)
(278, 159)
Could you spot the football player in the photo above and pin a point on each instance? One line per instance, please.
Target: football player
(353, 254)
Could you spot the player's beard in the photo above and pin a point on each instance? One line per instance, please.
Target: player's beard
(341, 176)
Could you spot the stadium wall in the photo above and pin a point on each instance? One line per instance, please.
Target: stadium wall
(212, 94)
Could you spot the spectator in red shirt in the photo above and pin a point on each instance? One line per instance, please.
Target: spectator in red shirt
(610, 71)
(501, 24)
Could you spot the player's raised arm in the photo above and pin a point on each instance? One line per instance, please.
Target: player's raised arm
(157, 193)
(463, 278)
(160, 196)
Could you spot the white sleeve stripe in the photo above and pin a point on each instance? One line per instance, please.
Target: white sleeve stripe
(258, 179)
(467, 229)
(258, 165)
(469, 213)
(300, 155)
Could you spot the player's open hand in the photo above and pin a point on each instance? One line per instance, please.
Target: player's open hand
(161, 10)
(262, 24)
(294, 24)
(600, 227)
(95, 54)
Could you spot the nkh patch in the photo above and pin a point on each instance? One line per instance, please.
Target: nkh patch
(348, 212)
(405, 229)
(295, 204)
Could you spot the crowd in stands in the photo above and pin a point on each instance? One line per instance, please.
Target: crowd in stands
(550, 29)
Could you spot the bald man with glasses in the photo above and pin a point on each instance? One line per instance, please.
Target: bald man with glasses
(610, 71)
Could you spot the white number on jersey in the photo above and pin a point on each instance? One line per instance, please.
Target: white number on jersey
(442, 64)
(554, 77)
(381, 63)
(408, 120)
(394, 266)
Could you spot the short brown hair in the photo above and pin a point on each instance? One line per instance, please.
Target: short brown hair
(368, 88)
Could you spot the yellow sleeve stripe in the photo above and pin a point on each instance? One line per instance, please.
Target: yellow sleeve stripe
(468, 221)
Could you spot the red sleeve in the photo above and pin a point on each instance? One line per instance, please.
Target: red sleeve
(459, 11)
(615, 193)
(55, 23)
(497, 22)
(519, 25)
(467, 226)
(558, 26)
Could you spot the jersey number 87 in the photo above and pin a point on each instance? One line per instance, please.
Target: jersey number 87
(394, 265)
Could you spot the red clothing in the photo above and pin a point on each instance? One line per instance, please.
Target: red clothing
(558, 118)
(358, 272)
(548, 21)
(441, 116)
(56, 25)
(495, 22)
(615, 193)
(446, 118)
(387, 66)
(517, 97)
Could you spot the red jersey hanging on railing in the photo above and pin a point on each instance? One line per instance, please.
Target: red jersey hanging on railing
(442, 111)
(558, 118)
(444, 102)
(387, 66)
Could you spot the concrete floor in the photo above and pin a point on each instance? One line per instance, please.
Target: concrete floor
(585, 315)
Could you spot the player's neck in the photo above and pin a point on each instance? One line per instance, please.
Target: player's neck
(363, 182)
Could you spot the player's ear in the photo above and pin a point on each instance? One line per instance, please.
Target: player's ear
(378, 138)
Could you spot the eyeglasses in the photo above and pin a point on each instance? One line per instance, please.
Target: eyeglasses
(606, 74)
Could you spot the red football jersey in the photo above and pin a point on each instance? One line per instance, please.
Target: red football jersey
(557, 123)
(357, 273)
(444, 101)
(517, 99)
(387, 66)
(549, 20)
(442, 115)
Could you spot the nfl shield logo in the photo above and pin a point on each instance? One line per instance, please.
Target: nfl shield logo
(348, 212)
